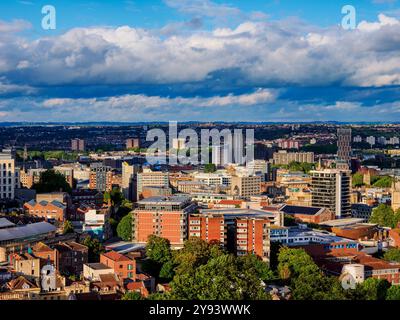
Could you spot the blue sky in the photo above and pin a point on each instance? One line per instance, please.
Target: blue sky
(279, 60)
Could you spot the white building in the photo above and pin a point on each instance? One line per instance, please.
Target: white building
(9, 175)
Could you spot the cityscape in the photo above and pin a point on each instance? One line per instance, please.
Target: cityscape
(197, 150)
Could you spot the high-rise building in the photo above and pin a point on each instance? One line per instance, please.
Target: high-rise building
(331, 188)
(166, 217)
(9, 175)
(77, 145)
(344, 144)
(284, 157)
(100, 177)
(132, 143)
(252, 237)
(128, 171)
(149, 178)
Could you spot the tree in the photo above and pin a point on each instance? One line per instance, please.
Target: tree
(221, 278)
(132, 295)
(382, 182)
(210, 168)
(392, 255)
(95, 248)
(306, 279)
(384, 216)
(293, 262)
(124, 229)
(51, 181)
(68, 227)
(358, 179)
(167, 272)
(195, 252)
(252, 263)
(158, 249)
(375, 289)
(393, 293)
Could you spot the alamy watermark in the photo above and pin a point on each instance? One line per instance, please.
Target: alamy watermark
(186, 147)
(49, 21)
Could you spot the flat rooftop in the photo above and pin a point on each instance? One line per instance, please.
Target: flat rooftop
(342, 222)
(171, 200)
(4, 223)
(98, 266)
(27, 231)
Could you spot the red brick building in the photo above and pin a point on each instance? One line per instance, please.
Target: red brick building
(210, 228)
(166, 217)
(54, 210)
(124, 267)
(252, 237)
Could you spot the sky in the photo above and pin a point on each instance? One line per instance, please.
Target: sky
(200, 60)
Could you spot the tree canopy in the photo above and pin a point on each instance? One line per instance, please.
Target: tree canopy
(384, 216)
(51, 181)
(124, 228)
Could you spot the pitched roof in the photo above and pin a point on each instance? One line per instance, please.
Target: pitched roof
(115, 256)
(19, 283)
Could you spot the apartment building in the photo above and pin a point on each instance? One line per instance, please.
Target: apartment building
(101, 177)
(51, 211)
(285, 158)
(77, 145)
(166, 217)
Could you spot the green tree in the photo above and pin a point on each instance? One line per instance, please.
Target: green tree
(392, 255)
(358, 179)
(393, 293)
(253, 264)
(382, 182)
(210, 168)
(293, 262)
(158, 249)
(195, 252)
(167, 272)
(384, 216)
(221, 278)
(68, 227)
(133, 295)
(95, 248)
(375, 289)
(51, 181)
(124, 229)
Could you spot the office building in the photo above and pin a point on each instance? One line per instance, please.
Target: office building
(246, 186)
(149, 178)
(331, 188)
(344, 144)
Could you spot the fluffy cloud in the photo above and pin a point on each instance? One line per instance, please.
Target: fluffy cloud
(263, 54)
